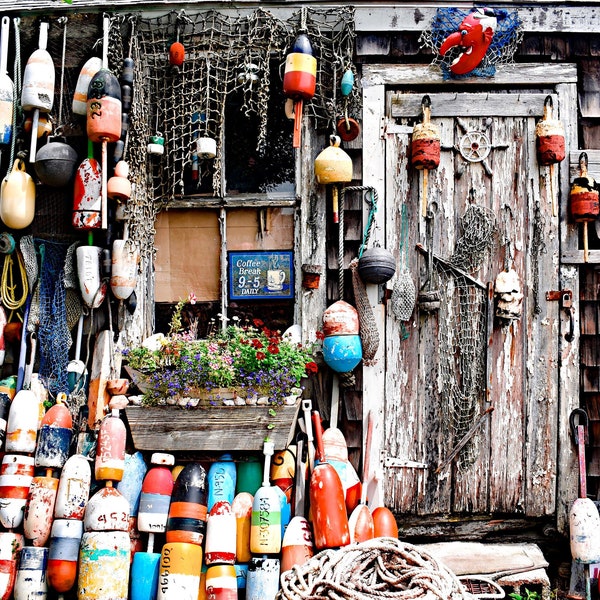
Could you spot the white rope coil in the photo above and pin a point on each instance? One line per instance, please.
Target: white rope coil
(379, 568)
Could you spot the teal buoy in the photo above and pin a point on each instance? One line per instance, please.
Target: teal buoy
(342, 352)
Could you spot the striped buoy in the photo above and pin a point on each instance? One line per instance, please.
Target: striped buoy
(10, 547)
(155, 497)
(31, 574)
(110, 449)
(80, 96)
(54, 438)
(63, 554)
(221, 582)
(179, 577)
(297, 546)
(16, 475)
(220, 544)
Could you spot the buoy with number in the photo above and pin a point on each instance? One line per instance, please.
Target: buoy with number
(425, 148)
(188, 512)
(300, 79)
(584, 200)
(222, 476)
(10, 548)
(110, 449)
(179, 571)
(327, 499)
(63, 554)
(16, 475)
(37, 92)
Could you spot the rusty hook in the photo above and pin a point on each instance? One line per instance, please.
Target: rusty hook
(579, 417)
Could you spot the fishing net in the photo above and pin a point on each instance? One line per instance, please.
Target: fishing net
(54, 337)
(463, 328)
(404, 291)
(369, 334)
(506, 40)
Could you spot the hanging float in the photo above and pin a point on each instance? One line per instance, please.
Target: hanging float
(584, 200)
(17, 197)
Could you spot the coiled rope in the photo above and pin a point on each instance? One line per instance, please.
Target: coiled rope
(379, 568)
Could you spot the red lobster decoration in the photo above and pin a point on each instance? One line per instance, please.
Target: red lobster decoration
(475, 33)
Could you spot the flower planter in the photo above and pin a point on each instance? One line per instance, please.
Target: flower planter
(212, 428)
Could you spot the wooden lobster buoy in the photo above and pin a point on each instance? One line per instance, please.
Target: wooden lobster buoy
(91, 284)
(221, 582)
(550, 144)
(220, 544)
(123, 277)
(10, 547)
(333, 166)
(110, 449)
(39, 510)
(80, 96)
(6, 87)
(73, 488)
(221, 480)
(63, 554)
(584, 200)
(87, 192)
(37, 93)
(16, 475)
(17, 197)
(327, 499)
(23, 423)
(297, 546)
(31, 573)
(265, 530)
(242, 509)
(263, 578)
(300, 79)
(187, 512)
(179, 577)
(425, 148)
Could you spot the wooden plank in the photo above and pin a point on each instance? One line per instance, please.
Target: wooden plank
(530, 74)
(173, 429)
(459, 105)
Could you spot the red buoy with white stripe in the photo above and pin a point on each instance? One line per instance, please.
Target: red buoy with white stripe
(110, 449)
(63, 554)
(80, 96)
(297, 546)
(73, 488)
(179, 576)
(220, 544)
(31, 573)
(16, 475)
(10, 547)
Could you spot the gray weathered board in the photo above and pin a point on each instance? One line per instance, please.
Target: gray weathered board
(174, 429)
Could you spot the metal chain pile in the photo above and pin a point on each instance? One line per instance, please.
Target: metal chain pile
(383, 568)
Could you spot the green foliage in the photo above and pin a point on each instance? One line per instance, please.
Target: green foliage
(529, 595)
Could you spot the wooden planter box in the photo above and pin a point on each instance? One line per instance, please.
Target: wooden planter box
(217, 428)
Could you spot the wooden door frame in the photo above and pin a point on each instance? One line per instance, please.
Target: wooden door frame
(562, 79)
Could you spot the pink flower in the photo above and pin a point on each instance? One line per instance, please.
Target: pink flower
(192, 298)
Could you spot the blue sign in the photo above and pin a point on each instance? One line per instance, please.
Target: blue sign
(261, 275)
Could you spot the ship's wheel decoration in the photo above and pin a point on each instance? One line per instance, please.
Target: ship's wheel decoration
(472, 42)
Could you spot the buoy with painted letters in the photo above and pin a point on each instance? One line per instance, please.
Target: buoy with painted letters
(110, 449)
(180, 566)
(222, 476)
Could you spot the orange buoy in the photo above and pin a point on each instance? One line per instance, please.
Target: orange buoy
(179, 571)
(176, 54)
(425, 148)
(242, 509)
(119, 186)
(221, 582)
(187, 512)
(220, 543)
(283, 471)
(384, 523)
(300, 79)
(80, 96)
(16, 475)
(297, 546)
(584, 200)
(63, 554)
(360, 522)
(327, 499)
(110, 449)
(73, 488)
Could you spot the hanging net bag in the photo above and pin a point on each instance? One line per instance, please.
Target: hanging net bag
(404, 292)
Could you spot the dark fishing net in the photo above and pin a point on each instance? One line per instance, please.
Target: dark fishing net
(54, 337)
(506, 40)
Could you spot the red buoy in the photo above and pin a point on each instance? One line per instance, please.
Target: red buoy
(54, 437)
(16, 475)
(384, 523)
(176, 54)
(10, 547)
(87, 200)
(584, 200)
(297, 546)
(327, 499)
(300, 79)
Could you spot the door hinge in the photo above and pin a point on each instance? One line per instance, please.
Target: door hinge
(565, 297)
(399, 463)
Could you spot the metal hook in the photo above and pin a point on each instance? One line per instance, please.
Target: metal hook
(574, 422)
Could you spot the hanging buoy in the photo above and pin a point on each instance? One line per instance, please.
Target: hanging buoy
(55, 163)
(54, 437)
(584, 200)
(342, 352)
(221, 480)
(297, 546)
(187, 512)
(16, 475)
(242, 510)
(63, 554)
(125, 260)
(31, 573)
(80, 96)
(87, 193)
(300, 79)
(376, 265)
(37, 92)
(23, 423)
(119, 187)
(6, 87)
(176, 56)
(508, 295)
(179, 577)
(327, 500)
(10, 548)
(333, 166)
(145, 570)
(17, 197)
(104, 107)
(110, 449)
(340, 318)
(425, 148)
(73, 488)
(550, 144)
(220, 543)
(265, 531)
(91, 284)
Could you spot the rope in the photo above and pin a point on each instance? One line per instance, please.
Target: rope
(340, 245)
(383, 568)
(16, 92)
(62, 21)
(8, 286)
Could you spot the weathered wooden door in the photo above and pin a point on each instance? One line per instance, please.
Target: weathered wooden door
(471, 416)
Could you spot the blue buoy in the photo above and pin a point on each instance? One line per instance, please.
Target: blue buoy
(342, 352)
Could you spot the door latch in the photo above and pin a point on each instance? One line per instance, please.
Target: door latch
(565, 297)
